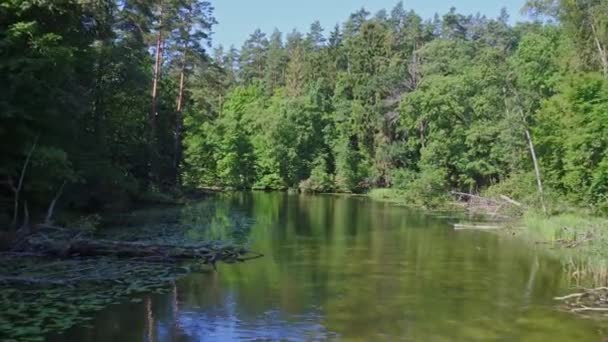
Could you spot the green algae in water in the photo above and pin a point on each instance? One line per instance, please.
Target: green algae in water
(27, 313)
(30, 312)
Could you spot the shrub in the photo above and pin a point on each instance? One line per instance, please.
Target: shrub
(427, 188)
(320, 180)
(270, 182)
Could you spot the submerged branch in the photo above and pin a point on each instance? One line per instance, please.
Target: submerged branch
(501, 208)
(475, 226)
(73, 258)
(585, 308)
(82, 247)
(570, 296)
(590, 300)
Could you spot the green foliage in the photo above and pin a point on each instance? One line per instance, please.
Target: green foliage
(75, 76)
(271, 181)
(424, 107)
(320, 179)
(352, 170)
(426, 189)
(385, 100)
(572, 126)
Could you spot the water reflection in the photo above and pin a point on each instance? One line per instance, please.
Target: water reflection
(346, 268)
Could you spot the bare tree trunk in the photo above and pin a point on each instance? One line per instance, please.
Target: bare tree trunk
(177, 148)
(179, 121)
(151, 160)
(539, 182)
(49, 213)
(17, 190)
(157, 69)
(601, 50)
(536, 170)
(26, 216)
(180, 96)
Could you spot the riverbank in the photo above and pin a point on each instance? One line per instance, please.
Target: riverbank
(405, 198)
(578, 239)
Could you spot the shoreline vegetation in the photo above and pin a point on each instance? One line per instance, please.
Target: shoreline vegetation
(576, 236)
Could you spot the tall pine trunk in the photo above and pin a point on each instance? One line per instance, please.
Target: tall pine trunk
(179, 119)
(157, 68)
(153, 108)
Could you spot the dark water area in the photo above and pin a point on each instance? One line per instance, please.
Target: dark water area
(347, 268)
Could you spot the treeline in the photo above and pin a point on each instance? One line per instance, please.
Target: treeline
(459, 102)
(102, 101)
(91, 96)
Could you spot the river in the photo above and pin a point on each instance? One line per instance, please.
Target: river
(347, 268)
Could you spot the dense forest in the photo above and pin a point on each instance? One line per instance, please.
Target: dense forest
(107, 102)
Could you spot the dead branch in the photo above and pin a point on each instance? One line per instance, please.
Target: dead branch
(473, 197)
(475, 226)
(498, 208)
(589, 300)
(49, 213)
(585, 308)
(512, 201)
(602, 288)
(570, 296)
(539, 182)
(17, 190)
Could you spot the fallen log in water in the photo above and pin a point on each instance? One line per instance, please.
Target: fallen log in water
(587, 301)
(475, 226)
(77, 257)
(207, 253)
(502, 207)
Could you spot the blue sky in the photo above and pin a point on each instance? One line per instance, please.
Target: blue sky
(238, 18)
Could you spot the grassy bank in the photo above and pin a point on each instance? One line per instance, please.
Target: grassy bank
(386, 195)
(579, 239)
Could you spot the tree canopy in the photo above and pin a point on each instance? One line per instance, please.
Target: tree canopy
(455, 102)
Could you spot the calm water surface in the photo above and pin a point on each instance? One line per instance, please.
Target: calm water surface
(346, 268)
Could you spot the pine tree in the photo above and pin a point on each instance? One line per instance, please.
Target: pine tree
(314, 38)
(275, 63)
(295, 77)
(253, 56)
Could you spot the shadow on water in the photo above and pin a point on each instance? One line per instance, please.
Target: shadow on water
(347, 268)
